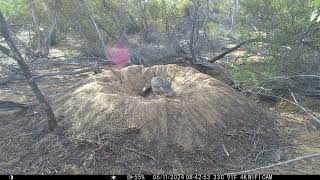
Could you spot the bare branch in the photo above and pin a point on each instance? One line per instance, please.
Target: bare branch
(301, 107)
(306, 110)
(274, 165)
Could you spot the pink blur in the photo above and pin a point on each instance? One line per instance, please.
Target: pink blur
(119, 53)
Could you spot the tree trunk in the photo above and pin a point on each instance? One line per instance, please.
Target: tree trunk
(24, 67)
(117, 21)
(35, 24)
(197, 19)
(193, 19)
(205, 28)
(47, 40)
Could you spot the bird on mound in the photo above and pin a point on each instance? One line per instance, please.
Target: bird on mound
(159, 86)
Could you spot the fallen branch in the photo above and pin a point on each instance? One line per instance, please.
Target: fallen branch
(64, 73)
(142, 153)
(73, 61)
(12, 105)
(4, 81)
(11, 68)
(309, 112)
(10, 78)
(296, 83)
(91, 141)
(301, 107)
(6, 51)
(292, 77)
(230, 50)
(274, 165)
(95, 68)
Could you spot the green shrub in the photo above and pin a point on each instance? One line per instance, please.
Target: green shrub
(290, 39)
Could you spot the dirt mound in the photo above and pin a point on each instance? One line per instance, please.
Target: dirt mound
(207, 127)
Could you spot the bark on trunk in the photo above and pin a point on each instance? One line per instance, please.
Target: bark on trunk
(24, 67)
(47, 40)
(35, 24)
(193, 19)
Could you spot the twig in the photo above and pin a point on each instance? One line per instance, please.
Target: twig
(296, 104)
(294, 98)
(303, 108)
(305, 127)
(91, 141)
(274, 165)
(84, 165)
(142, 153)
(225, 150)
(261, 152)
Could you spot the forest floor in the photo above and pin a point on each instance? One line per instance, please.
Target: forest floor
(26, 147)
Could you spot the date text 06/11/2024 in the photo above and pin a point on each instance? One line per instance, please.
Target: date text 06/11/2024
(202, 177)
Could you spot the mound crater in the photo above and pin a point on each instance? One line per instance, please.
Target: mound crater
(206, 127)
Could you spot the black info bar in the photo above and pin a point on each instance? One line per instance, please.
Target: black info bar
(156, 177)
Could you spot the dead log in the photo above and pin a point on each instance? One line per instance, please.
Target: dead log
(306, 85)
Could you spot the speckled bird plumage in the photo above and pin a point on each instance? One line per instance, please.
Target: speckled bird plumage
(162, 86)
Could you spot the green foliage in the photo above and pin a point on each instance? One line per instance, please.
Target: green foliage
(15, 11)
(9, 7)
(317, 3)
(251, 71)
(288, 36)
(315, 16)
